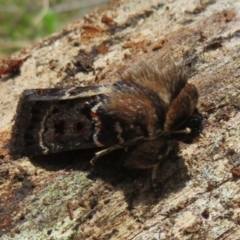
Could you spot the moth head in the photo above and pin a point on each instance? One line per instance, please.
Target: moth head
(191, 129)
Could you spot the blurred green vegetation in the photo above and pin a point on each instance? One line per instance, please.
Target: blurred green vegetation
(25, 21)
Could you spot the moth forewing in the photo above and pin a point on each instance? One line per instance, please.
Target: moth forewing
(54, 120)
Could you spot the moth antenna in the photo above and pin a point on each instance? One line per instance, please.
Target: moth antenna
(186, 131)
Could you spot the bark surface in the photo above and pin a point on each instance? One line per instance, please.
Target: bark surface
(61, 197)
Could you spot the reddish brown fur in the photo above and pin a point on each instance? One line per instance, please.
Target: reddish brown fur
(165, 77)
(146, 83)
(131, 107)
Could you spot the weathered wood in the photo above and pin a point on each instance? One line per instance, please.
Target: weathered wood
(61, 197)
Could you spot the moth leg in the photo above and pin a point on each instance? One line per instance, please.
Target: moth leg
(154, 175)
(104, 152)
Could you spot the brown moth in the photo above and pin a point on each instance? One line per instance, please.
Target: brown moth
(150, 109)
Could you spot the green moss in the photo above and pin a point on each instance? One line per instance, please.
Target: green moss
(23, 22)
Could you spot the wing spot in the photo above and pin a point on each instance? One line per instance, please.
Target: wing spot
(78, 127)
(59, 126)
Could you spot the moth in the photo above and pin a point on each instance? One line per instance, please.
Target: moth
(146, 112)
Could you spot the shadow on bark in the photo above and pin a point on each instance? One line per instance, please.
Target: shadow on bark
(136, 184)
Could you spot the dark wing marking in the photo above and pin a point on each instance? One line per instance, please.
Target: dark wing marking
(45, 126)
